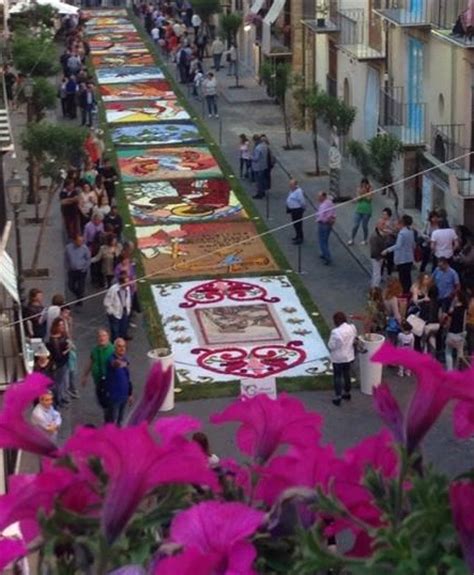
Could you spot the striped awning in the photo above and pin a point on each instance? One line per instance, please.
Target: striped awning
(6, 143)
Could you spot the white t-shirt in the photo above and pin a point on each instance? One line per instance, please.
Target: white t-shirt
(444, 242)
(196, 20)
(155, 33)
(406, 340)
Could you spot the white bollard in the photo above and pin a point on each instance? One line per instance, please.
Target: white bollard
(370, 372)
(165, 357)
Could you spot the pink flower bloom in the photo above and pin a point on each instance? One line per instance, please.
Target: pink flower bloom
(463, 419)
(16, 432)
(174, 428)
(156, 387)
(30, 494)
(11, 550)
(461, 496)
(389, 411)
(135, 465)
(435, 388)
(220, 532)
(190, 562)
(310, 468)
(267, 424)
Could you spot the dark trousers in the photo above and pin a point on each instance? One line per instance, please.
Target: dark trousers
(114, 412)
(217, 61)
(260, 181)
(212, 105)
(341, 378)
(71, 105)
(118, 327)
(245, 166)
(76, 282)
(296, 215)
(404, 275)
(86, 116)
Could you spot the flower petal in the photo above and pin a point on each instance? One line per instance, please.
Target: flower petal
(389, 411)
(190, 562)
(156, 387)
(463, 419)
(11, 550)
(171, 428)
(461, 496)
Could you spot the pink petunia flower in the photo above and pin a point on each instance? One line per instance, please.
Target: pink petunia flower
(16, 432)
(190, 562)
(461, 496)
(389, 411)
(11, 550)
(30, 494)
(156, 387)
(463, 419)
(135, 464)
(176, 427)
(267, 424)
(220, 532)
(435, 388)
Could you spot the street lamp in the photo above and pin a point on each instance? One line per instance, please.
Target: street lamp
(15, 192)
(28, 89)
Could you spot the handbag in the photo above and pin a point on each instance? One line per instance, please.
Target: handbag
(417, 324)
(392, 325)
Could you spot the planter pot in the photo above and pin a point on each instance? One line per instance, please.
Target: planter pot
(165, 357)
(321, 22)
(370, 373)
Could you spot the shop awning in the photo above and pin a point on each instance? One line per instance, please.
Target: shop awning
(274, 11)
(257, 6)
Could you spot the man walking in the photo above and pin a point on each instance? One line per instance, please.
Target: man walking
(260, 165)
(87, 103)
(325, 217)
(78, 261)
(118, 384)
(97, 365)
(118, 305)
(295, 206)
(217, 49)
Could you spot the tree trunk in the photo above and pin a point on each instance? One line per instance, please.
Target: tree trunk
(51, 193)
(287, 125)
(396, 202)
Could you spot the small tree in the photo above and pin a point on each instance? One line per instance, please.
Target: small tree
(230, 25)
(34, 55)
(35, 16)
(376, 159)
(339, 115)
(52, 148)
(312, 103)
(278, 80)
(44, 98)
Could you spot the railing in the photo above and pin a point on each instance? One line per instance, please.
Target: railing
(405, 120)
(364, 35)
(447, 144)
(405, 12)
(446, 12)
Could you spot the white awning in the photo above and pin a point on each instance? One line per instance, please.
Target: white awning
(274, 11)
(8, 276)
(61, 7)
(257, 6)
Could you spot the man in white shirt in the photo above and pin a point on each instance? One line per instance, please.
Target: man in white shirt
(443, 242)
(341, 347)
(196, 23)
(155, 34)
(118, 305)
(46, 417)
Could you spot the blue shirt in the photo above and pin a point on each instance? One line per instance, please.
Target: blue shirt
(404, 248)
(296, 199)
(118, 384)
(260, 157)
(446, 282)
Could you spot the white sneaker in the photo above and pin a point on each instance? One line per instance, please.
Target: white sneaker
(217, 115)
(210, 115)
(400, 372)
(350, 243)
(363, 243)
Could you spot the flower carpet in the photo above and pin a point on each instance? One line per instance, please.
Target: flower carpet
(227, 309)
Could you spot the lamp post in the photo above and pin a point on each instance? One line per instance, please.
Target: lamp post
(28, 89)
(15, 192)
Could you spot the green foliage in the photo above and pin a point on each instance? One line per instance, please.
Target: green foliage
(206, 8)
(44, 97)
(279, 79)
(34, 55)
(361, 156)
(35, 16)
(339, 115)
(53, 146)
(230, 24)
(376, 158)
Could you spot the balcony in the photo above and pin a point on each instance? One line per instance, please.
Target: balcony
(327, 18)
(445, 23)
(361, 38)
(405, 120)
(451, 157)
(405, 13)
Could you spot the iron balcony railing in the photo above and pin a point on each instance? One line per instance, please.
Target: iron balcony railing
(362, 37)
(447, 144)
(405, 120)
(405, 13)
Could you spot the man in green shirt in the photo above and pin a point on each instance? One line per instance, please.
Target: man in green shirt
(97, 365)
(363, 211)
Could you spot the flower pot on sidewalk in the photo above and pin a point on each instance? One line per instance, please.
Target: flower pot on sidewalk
(164, 356)
(370, 373)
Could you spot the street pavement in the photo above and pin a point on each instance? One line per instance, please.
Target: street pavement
(340, 286)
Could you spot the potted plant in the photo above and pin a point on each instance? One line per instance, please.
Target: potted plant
(322, 11)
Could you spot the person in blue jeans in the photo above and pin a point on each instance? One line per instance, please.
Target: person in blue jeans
(363, 211)
(325, 217)
(118, 384)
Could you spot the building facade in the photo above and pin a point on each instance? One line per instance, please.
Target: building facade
(400, 64)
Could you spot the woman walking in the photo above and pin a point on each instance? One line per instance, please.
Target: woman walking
(363, 211)
(59, 348)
